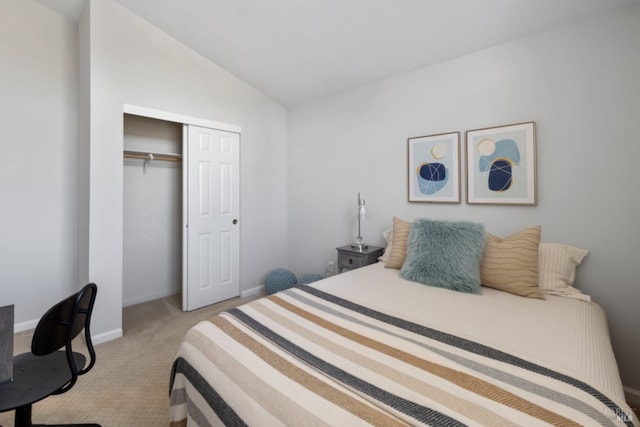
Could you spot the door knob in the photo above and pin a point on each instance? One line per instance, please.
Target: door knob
(235, 221)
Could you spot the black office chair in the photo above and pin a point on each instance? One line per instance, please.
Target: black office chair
(46, 371)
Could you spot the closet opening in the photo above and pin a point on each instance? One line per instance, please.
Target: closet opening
(152, 211)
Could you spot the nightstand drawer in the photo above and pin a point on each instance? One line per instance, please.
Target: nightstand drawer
(351, 261)
(350, 258)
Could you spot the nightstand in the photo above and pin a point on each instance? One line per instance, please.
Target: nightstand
(350, 258)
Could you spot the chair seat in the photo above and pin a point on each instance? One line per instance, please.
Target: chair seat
(36, 377)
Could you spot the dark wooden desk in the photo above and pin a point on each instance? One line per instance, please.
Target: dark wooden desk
(6, 343)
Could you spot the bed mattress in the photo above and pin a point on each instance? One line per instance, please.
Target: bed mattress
(367, 347)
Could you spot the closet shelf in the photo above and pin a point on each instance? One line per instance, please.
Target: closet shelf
(145, 155)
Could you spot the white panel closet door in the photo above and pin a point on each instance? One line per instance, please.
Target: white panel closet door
(212, 244)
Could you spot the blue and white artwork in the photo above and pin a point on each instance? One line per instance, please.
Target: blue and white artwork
(434, 168)
(501, 165)
(498, 159)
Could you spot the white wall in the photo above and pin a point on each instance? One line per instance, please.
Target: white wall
(152, 212)
(131, 62)
(578, 83)
(38, 164)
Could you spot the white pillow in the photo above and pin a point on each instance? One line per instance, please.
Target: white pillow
(557, 269)
(388, 237)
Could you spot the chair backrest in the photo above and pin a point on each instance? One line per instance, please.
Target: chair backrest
(63, 322)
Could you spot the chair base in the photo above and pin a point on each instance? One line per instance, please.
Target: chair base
(66, 425)
(23, 419)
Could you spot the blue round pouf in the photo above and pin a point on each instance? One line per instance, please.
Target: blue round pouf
(309, 278)
(278, 280)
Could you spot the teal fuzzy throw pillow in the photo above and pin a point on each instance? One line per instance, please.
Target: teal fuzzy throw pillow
(445, 254)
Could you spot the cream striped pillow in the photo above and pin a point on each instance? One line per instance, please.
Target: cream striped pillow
(398, 252)
(511, 264)
(557, 270)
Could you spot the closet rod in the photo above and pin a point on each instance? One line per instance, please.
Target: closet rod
(133, 154)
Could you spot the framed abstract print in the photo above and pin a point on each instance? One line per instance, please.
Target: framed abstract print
(434, 168)
(501, 165)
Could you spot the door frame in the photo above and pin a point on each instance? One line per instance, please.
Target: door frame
(153, 113)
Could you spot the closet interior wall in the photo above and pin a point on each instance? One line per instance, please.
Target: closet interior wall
(152, 246)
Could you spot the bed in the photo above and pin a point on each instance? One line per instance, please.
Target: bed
(369, 347)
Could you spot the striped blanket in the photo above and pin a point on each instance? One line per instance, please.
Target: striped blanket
(306, 357)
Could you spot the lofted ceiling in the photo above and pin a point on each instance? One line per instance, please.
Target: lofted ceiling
(300, 50)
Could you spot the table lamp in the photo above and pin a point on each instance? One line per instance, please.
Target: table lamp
(362, 215)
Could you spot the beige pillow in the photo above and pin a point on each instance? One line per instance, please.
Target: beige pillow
(511, 264)
(398, 252)
(557, 270)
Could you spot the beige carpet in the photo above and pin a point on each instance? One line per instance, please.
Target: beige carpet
(129, 385)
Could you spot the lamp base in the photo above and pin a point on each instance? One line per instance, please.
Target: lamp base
(360, 246)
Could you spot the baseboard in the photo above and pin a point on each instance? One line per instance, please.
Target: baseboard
(632, 395)
(97, 339)
(146, 298)
(106, 336)
(25, 326)
(258, 291)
